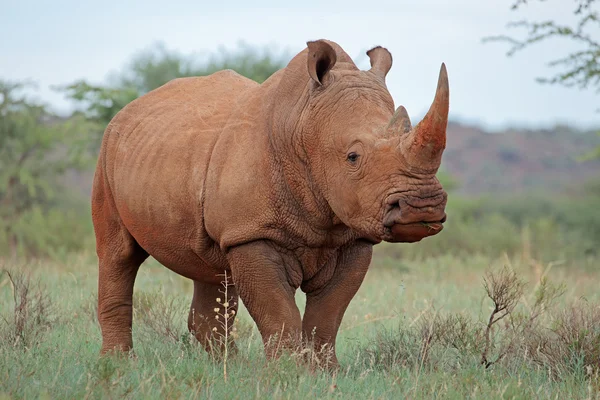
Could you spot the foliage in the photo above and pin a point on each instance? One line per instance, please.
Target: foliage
(592, 155)
(449, 183)
(36, 149)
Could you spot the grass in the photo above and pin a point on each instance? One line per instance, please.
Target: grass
(416, 329)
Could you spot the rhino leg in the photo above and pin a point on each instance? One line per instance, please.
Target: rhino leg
(202, 320)
(263, 284)
(115, 299)
(325, 306)
(119, 257)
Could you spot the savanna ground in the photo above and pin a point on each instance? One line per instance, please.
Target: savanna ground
(416, 329)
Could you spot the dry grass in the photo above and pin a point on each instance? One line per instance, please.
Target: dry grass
(161, 315)
(32, 311)
(518, 331)
(571, 341)
(413, 332)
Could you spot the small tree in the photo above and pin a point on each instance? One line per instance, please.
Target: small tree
(36, 149)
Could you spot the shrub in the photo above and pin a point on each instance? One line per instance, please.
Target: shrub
(564, 342)
(32, 313)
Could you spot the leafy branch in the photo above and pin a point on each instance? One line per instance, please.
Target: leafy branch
(580, 68)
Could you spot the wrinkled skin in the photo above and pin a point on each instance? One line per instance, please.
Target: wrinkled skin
(283, 185)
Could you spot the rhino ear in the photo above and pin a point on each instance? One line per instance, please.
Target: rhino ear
(321, 58)
(381, 61)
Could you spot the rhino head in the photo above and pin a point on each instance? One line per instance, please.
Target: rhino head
(376, 171)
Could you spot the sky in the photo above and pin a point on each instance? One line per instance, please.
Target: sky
(58, 42)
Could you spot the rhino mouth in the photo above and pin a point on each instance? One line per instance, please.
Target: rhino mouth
(414, 231)
(401, 228)
(410, 220)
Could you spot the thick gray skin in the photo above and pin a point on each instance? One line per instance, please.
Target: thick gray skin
(220, 174)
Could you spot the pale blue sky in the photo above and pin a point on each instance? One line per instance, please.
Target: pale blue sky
(57, 42)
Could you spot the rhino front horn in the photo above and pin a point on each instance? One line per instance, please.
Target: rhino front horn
(424, 145)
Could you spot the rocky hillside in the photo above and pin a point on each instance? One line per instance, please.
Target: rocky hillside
(519, 160)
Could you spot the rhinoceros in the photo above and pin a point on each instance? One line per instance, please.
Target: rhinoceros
(282, 185)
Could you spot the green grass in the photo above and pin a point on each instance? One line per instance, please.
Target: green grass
(379, 344)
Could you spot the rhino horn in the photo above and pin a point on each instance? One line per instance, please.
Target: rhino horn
(381, 61)
(400, 122)
(424, 145)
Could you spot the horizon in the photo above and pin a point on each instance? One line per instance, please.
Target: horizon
(488, 89)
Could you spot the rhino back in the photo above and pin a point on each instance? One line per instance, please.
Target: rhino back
(155, 157)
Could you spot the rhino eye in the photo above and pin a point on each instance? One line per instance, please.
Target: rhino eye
(352, 157)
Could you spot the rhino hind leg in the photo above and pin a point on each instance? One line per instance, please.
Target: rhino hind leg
(119, 258)
(115, 300)
(212, 314)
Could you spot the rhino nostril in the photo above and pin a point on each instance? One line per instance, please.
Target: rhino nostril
(393, 214)
(443, 219)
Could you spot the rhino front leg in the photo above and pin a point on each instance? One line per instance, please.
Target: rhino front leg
(263, 285)
(326, 305)
(209, 307)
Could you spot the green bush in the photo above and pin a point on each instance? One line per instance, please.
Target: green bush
(53, 233)
(38, 216)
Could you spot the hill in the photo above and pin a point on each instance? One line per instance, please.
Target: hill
(518, 160)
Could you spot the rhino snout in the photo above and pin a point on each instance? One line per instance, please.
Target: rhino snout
(410, 219)
(407, 210)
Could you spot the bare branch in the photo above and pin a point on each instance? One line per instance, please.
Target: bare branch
(582, 69)
(505, 290)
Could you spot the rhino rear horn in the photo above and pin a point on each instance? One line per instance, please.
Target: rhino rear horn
(321, 58)
(381, 61)
(426, 142)
(400, 122)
